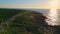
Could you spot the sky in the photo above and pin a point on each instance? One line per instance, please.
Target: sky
(24, 4)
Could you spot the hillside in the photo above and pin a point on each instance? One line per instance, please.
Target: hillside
(14, 21)
(18, 22)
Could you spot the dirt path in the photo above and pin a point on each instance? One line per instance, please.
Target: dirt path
(11, 19)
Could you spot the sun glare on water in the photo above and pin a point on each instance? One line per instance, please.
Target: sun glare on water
(52, 16)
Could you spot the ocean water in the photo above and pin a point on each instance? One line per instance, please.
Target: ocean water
(53, 17)
(43, 11)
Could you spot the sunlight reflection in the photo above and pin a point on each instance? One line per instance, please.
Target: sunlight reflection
(52, 16)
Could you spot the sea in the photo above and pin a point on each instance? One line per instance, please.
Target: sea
(43, 11)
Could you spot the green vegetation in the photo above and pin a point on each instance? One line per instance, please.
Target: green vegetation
(21, 25)
(7, 13)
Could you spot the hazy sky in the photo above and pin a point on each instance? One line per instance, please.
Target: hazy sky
(24, 3)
